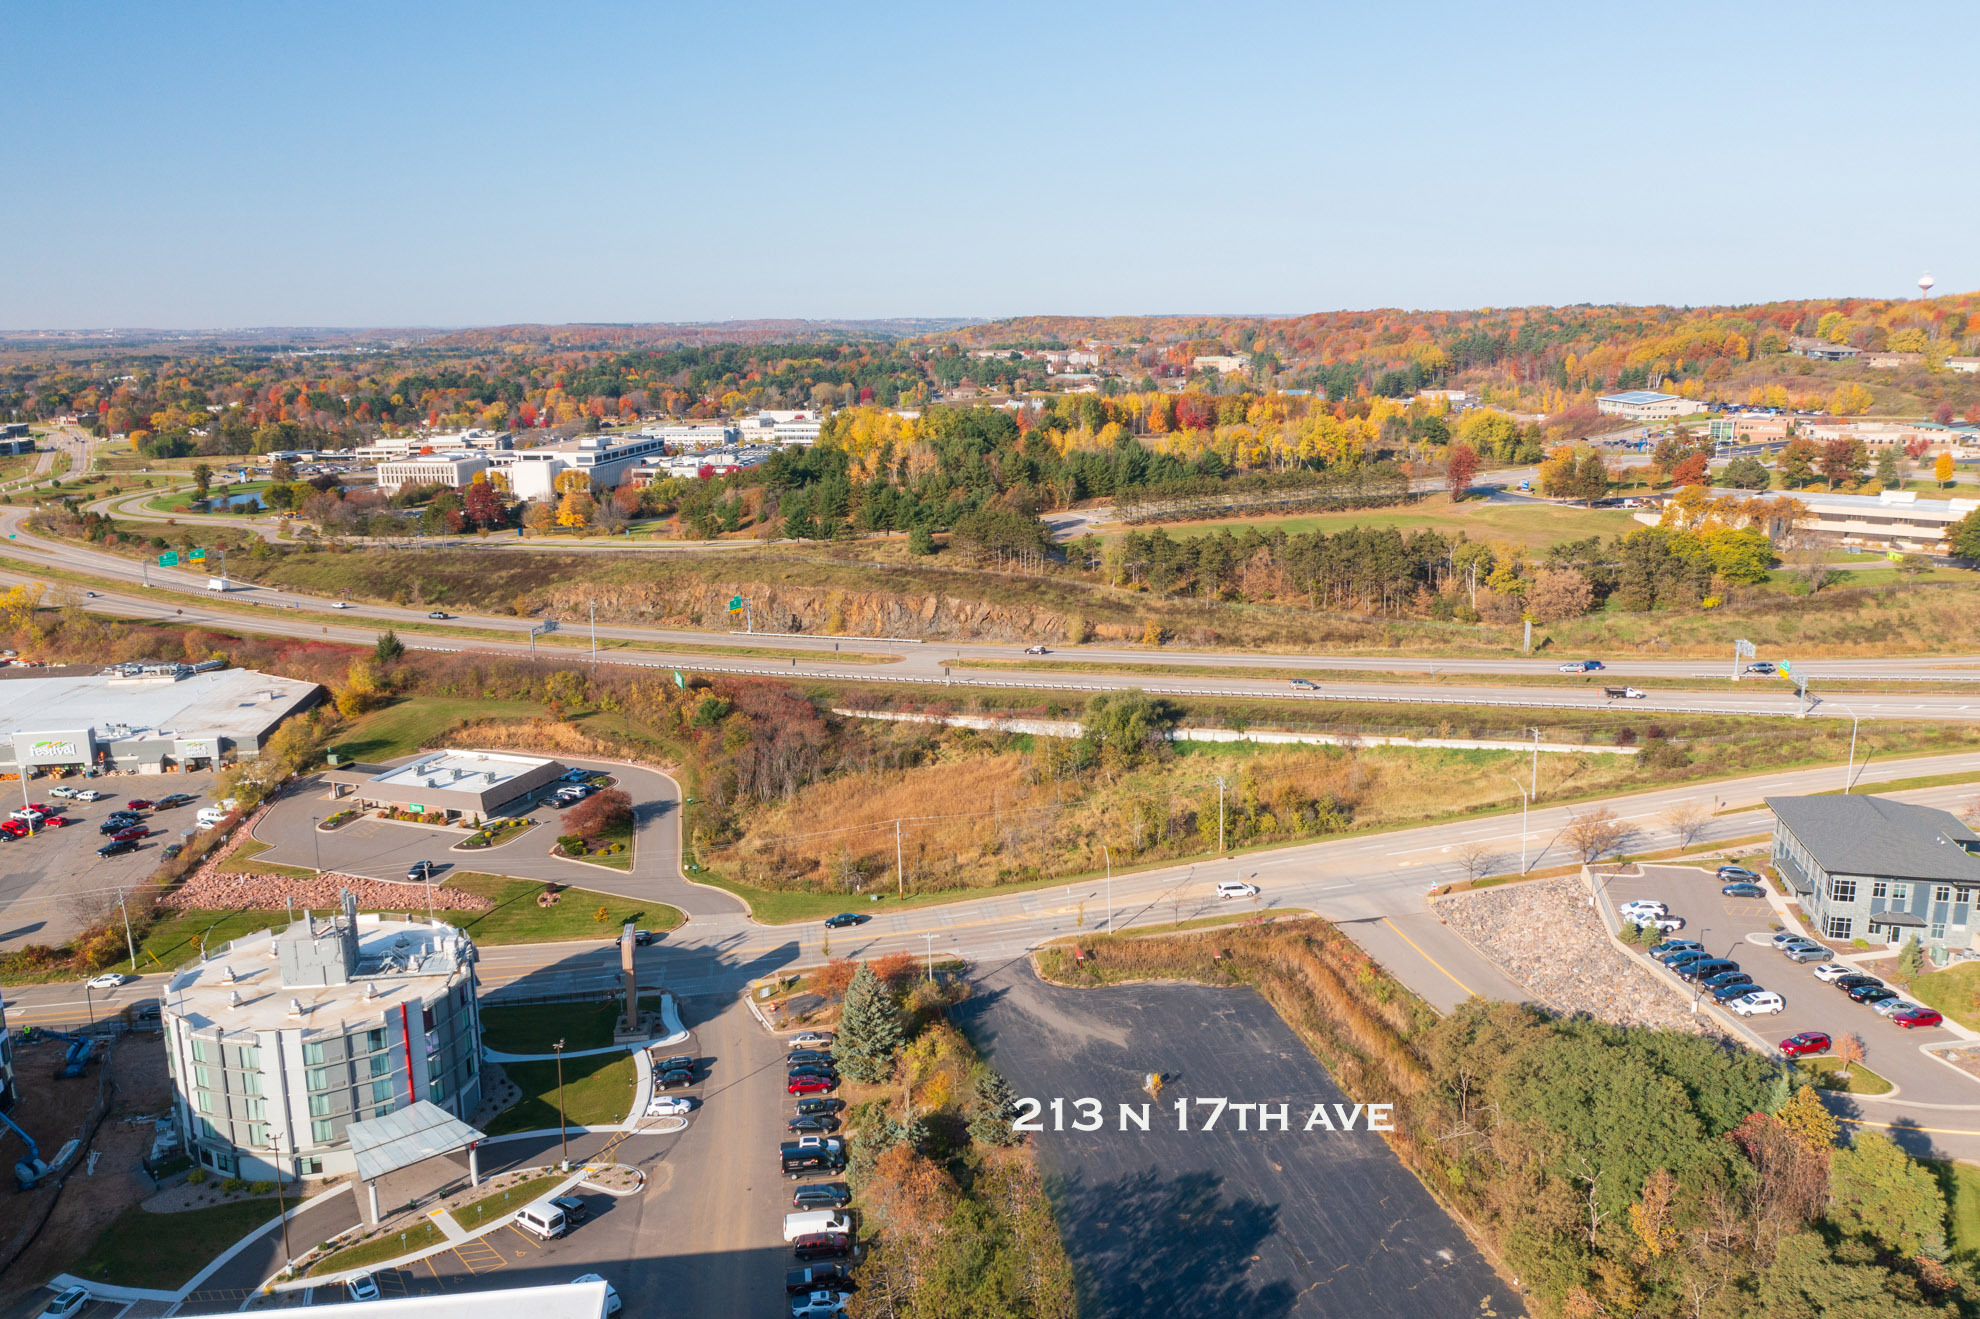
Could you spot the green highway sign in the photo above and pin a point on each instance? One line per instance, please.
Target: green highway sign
(196, 554)
(168, 560)
(735, 603)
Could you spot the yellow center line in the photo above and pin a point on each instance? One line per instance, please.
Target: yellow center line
(1469, 991)
(1905, 1126)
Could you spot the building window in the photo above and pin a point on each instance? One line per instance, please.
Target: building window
(1839, 927)
(313, 1053)
(257, 1135)
(1900, 892)
(1965, 895)
(1937, 930)
(201, 1050)
(320, 1106)
(374, 1040)
(321, 1131)
(1879, 889)
(437, 1091)
(426, 1017)
(309, 1167)
(203, 1078)
(384, 1092)
(1842, 890)
(203, 1100)
(246, 1056)
(1942, 893)
(381, 1064)
(255, 1110)
(318, 1078)
(250, 1083)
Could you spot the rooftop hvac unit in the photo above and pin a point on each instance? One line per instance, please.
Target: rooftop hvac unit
(295, 1008)
(233, 998)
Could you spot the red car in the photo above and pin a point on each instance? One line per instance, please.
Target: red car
(139, 804)
(1809, 1041)
(1921, 1017)
(13, 829)
(810, 1085)
(58, 822)
(41, 806)
(130, 835)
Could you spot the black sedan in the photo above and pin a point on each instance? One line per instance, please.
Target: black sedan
(680, 1062)
(814, 1069)
(117, 848)
(1728, 978)
(1737, 989)
(807, 1107)
(807, 1056)
(674, 1080)
(1743, 891)
(1698, 971)
(1872, 993)
(1850, 984)
(816, 1125)
(843, 919)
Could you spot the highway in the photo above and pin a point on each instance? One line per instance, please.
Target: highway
(292, 613)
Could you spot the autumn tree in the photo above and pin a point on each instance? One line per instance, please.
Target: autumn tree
(1596, 834)
(1476, 860)
(601, 813)
(1848, 1051)
(1557, 594)
(1460, 466)
(1686, 820)
(481, 505)
(1798, 461)
(1942, 467)
(834, 978)
(1843, 462)
(896, 969)
(1693, 470)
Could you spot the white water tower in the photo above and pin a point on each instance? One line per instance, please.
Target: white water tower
(1925, 283)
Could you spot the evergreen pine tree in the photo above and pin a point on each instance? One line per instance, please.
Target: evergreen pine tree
(870, 1031)
(991, 1123)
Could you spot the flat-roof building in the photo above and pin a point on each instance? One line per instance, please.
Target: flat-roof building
(282, 1040)
(1646, 405)
(1822, 350)
(453, 470)
(1896, 520)
(448, 785)
(145, 718)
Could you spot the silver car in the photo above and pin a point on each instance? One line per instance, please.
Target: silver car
(1892, 1006)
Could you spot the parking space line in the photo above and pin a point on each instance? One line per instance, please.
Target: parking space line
(485, 1259)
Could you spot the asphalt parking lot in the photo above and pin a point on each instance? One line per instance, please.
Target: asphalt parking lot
(53, 884)
(1740, 928)
(1243, 1225)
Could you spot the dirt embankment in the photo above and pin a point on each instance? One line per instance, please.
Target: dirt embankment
(817, 610)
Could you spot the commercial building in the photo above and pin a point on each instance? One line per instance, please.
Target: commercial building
(1646, 405)
(282, 1040)
(1964, 365)
(1749, 428)
(1222, 364)
(605, 459)
(445, 785)
(406, 446)
(700, 435)
(1892, 361)
(782, 426)
(144, 718)
(1896, 521)
(556, 1300)
(1867, 867)
(449, 469)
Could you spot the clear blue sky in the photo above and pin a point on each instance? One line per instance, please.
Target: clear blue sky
(416, 163)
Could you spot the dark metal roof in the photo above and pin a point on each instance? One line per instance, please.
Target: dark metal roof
(1864, 835)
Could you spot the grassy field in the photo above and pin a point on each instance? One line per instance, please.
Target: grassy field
(517, 919)
(490, 1207)
(403, 727)
(1825, 1074)
(598, 1091)
(1954, 991)
(1533, 525)
(1960, 1183)
(418, 1237)
(164, 1251)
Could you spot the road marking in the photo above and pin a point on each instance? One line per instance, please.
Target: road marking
(1905, 1126)
(1469, 991)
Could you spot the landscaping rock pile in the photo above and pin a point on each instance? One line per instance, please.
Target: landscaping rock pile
(1544, 935)
(211, 889)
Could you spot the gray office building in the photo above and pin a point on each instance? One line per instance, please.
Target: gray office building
(1870, 868)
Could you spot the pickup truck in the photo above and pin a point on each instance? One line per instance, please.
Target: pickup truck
(1625, 693)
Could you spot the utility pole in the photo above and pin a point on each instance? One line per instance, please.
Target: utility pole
(931, 954)
(130, 944)
(594, 631)
(900, 869)
(1849, 771)
(1110, 886)
(1536, 762)
(1524, 803)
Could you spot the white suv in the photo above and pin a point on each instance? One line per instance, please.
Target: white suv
(1764, 1000)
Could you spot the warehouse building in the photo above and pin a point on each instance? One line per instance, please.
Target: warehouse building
(446, 785)
(1646, 405)
(283, 1040)
(148, 718)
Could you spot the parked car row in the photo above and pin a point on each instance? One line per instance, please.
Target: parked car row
(1719, 978)
(677, 1072)
(1877, 995)
(819, 1227)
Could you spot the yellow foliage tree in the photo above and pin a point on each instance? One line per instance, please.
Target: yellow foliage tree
(575, 509)
(1850, 400)
(1942, 469)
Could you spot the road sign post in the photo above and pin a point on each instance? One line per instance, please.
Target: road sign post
(1742, 650)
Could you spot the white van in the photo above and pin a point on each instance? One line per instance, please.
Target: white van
(1236, 888)
(543, 1219)
(814, 1221)
(210, 815)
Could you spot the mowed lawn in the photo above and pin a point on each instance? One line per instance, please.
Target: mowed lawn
(403, 727)
(1532, 525)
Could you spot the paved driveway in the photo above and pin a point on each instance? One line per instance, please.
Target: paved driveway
(383, 849)
(1242, 1225)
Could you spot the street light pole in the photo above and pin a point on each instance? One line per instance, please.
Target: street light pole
(1849, 771)
(1110, 886)
(930, 939)
(1524, 803)
(130, 944)
(1220, 815)
(316, 840)
(1536, 760)
(563, 1139)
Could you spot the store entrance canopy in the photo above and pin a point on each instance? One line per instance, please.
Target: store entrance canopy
(410, 1135)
